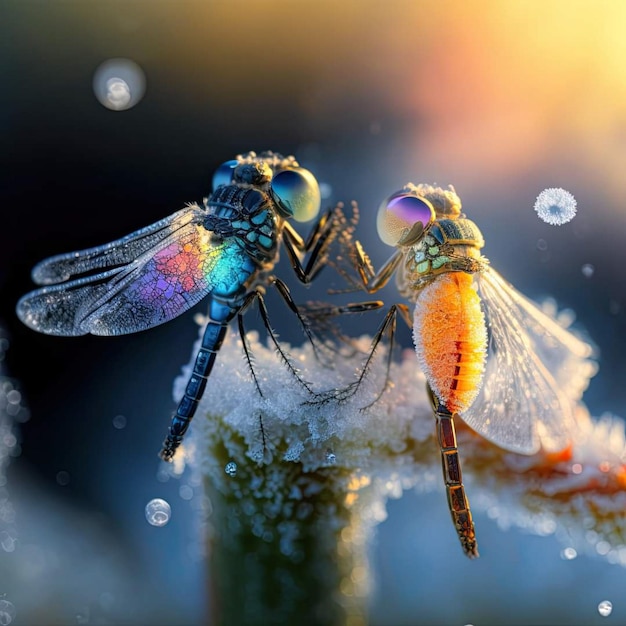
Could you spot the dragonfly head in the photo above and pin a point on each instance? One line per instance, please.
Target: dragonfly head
(295, 191)
(446, 202)
(403, 218)
(255, 172)
(406, 215)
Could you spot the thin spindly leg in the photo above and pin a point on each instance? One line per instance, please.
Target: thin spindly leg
(244, 342)
(388, 325)
(323, 234)
(284, 292)
(283, 355)
(248, 354)
(457, 499)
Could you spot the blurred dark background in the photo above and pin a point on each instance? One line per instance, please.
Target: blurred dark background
(502, 99)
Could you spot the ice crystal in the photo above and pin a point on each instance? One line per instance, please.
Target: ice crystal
(555, 206)
(291, 450)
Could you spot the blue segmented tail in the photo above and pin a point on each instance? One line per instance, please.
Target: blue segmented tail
(211, 343)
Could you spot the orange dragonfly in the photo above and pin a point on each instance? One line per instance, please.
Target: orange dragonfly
(489, 354)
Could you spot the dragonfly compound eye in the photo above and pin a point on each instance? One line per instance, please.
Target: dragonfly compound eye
(224, 174)
(399, 213)
(297, 194)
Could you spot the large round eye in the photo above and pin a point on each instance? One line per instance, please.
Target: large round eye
(297, 194)
(399, 213)
(224, 174)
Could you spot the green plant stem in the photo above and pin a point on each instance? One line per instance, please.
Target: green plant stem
(285, 545)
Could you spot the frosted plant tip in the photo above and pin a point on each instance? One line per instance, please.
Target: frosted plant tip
(555, 206)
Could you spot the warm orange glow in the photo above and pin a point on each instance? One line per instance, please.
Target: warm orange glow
(451, 339)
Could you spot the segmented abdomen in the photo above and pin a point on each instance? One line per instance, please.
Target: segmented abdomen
(451, 339)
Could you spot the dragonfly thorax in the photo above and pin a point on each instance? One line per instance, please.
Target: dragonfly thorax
(450, 245)
(247, 216)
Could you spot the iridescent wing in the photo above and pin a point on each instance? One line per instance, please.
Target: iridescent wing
(156, 274)
(62, 267)
(536, 371)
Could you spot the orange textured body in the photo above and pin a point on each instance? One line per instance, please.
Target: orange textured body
(451, 339)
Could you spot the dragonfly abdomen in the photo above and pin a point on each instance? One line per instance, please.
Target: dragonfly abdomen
(451, 339)
(211, 343)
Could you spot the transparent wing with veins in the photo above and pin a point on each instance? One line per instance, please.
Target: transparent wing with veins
(155, 274)
(536, 371)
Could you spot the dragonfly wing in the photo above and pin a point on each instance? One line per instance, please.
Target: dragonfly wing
(536, 371)
(156, 287)
(118, 253)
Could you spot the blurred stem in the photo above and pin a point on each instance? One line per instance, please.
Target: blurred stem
(285, 545)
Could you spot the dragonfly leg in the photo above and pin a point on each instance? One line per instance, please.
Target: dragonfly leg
(324, 233)
(388, 325)
(211, 343)
(283, 290)
(270, 331)
(457, 499)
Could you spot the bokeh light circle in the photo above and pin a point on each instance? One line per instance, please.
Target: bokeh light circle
(119, 84)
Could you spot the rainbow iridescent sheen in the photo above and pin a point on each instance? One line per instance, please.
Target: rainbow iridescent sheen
(398, 213)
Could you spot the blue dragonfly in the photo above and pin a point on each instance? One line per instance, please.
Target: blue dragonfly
(226, 247)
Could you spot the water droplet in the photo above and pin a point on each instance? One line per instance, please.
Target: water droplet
(587, 269)
(231, 468)
(119, 422)
(14, 397)
(605, 608)
(158, 512)
(7, 612)
(331, 457)
(542, 244)
(7, 541)
(185, 492)
(555, 206)
(63, 478)
(119, 84)
(569, 553)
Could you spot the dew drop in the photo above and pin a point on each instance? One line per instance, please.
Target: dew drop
(231, 468)
(63, 478)
(7, 541)
(119, 422)
(14, 397)
(7, 612)
(185, 492)
(158, 512)
(569, 553)
(605, 608)
(119, 84)
(587, 269)
(331, 457)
